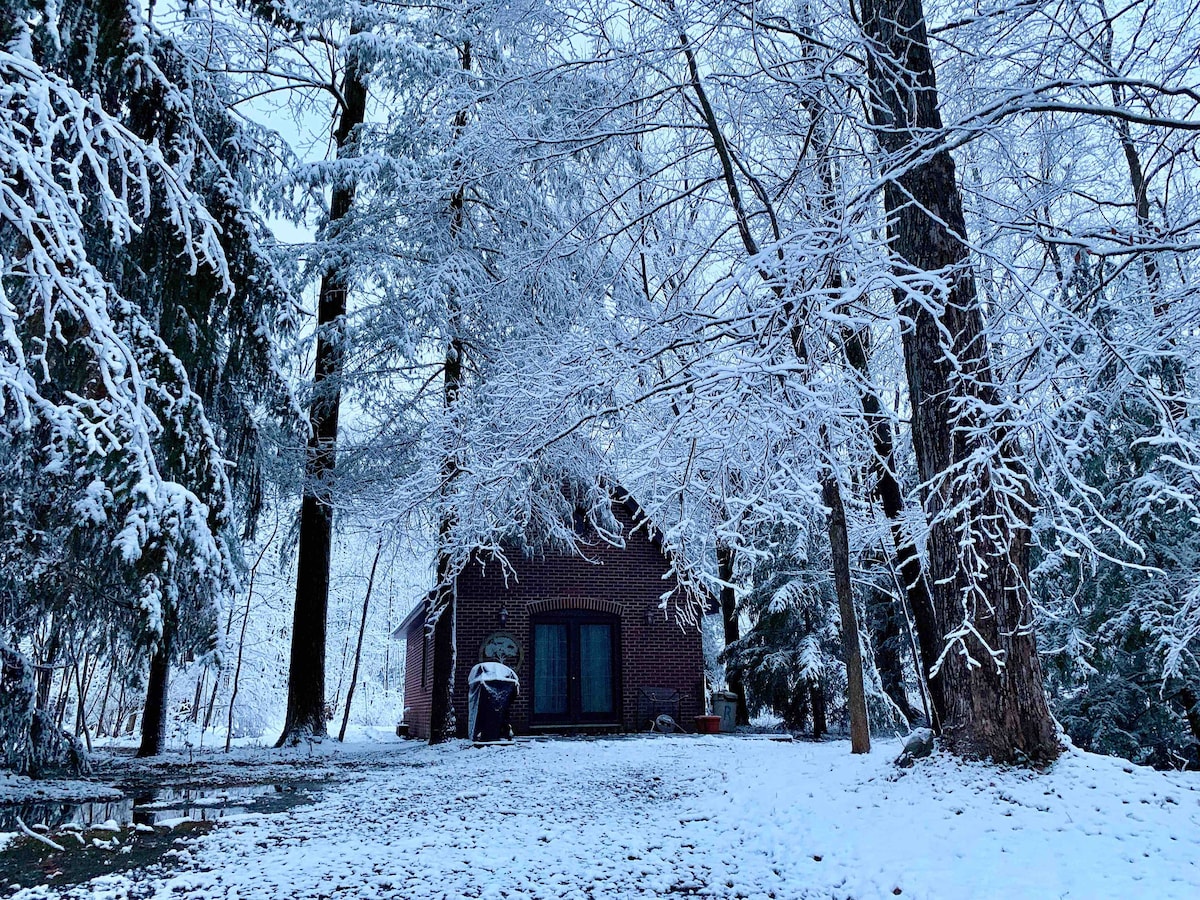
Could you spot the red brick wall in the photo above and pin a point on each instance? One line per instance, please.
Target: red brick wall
(416, 690)
(628, 581)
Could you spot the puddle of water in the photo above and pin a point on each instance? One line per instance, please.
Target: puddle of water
(93, 846)
(208, 805)
(157, 806)
(57, 815)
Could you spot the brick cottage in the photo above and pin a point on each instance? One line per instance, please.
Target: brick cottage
(587, 637)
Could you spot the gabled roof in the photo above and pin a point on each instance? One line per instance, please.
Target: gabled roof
(640, 519)
(418, 611)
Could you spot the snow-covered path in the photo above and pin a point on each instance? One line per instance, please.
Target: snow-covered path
(716, 817)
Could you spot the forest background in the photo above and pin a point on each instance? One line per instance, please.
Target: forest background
(886, 312)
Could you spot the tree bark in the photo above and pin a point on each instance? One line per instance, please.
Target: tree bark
(726, 557)
(64, 694)
(991, 676)
(839, 544)
(44, 673)
(441, 708)
(306, 673)
(81, 689)
(119, 717)
(444, 606)
(100, 732)
(362, 627)
(212, 702)
(154, 714)
(194, 715)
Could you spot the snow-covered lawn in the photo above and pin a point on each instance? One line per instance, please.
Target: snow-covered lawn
(714, 816)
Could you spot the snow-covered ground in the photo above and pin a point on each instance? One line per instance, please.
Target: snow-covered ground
(713, 816)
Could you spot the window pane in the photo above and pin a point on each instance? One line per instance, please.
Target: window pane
(595, 668)
(550, 669)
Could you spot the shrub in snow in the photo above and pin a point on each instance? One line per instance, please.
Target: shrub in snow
(54, 752)
(917, 745)
(30, 742)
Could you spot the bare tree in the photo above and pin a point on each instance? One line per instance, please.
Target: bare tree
(442, 610)
(830, 488)
(362, 629)
(977, 492)
(306, 675)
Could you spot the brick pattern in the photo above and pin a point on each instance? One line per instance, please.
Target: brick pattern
(416, 687)
(657, 649)
(590, 604)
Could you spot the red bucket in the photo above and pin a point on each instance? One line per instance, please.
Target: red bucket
(708, 724)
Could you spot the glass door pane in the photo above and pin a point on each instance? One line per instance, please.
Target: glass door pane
(549, 669)
(595, 669)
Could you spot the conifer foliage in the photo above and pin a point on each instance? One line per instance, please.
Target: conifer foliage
(139, 308)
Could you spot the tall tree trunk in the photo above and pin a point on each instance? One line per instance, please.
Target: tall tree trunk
(81, 691)
(119, 716)
(64, 694)
(444, 608)
(726, 557)
(441, 707)
(839, 544)
(154, 715)
(83, 685)
(991, 677)
(197, 698)
(856, 347)
(362, 628)
(306, 672)
(212, 702)
(100, 732)
(1191, 712)
(44, 672)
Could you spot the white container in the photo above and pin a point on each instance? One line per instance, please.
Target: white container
(724, 704)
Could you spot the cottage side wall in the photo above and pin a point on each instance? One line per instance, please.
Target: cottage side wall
(417, 697)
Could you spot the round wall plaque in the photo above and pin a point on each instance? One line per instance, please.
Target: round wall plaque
(502, 647)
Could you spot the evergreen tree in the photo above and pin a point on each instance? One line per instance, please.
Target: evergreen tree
(140, 306)
(790, 656)
(1119, 598)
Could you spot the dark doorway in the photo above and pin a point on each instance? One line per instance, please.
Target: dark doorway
(576, 669)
